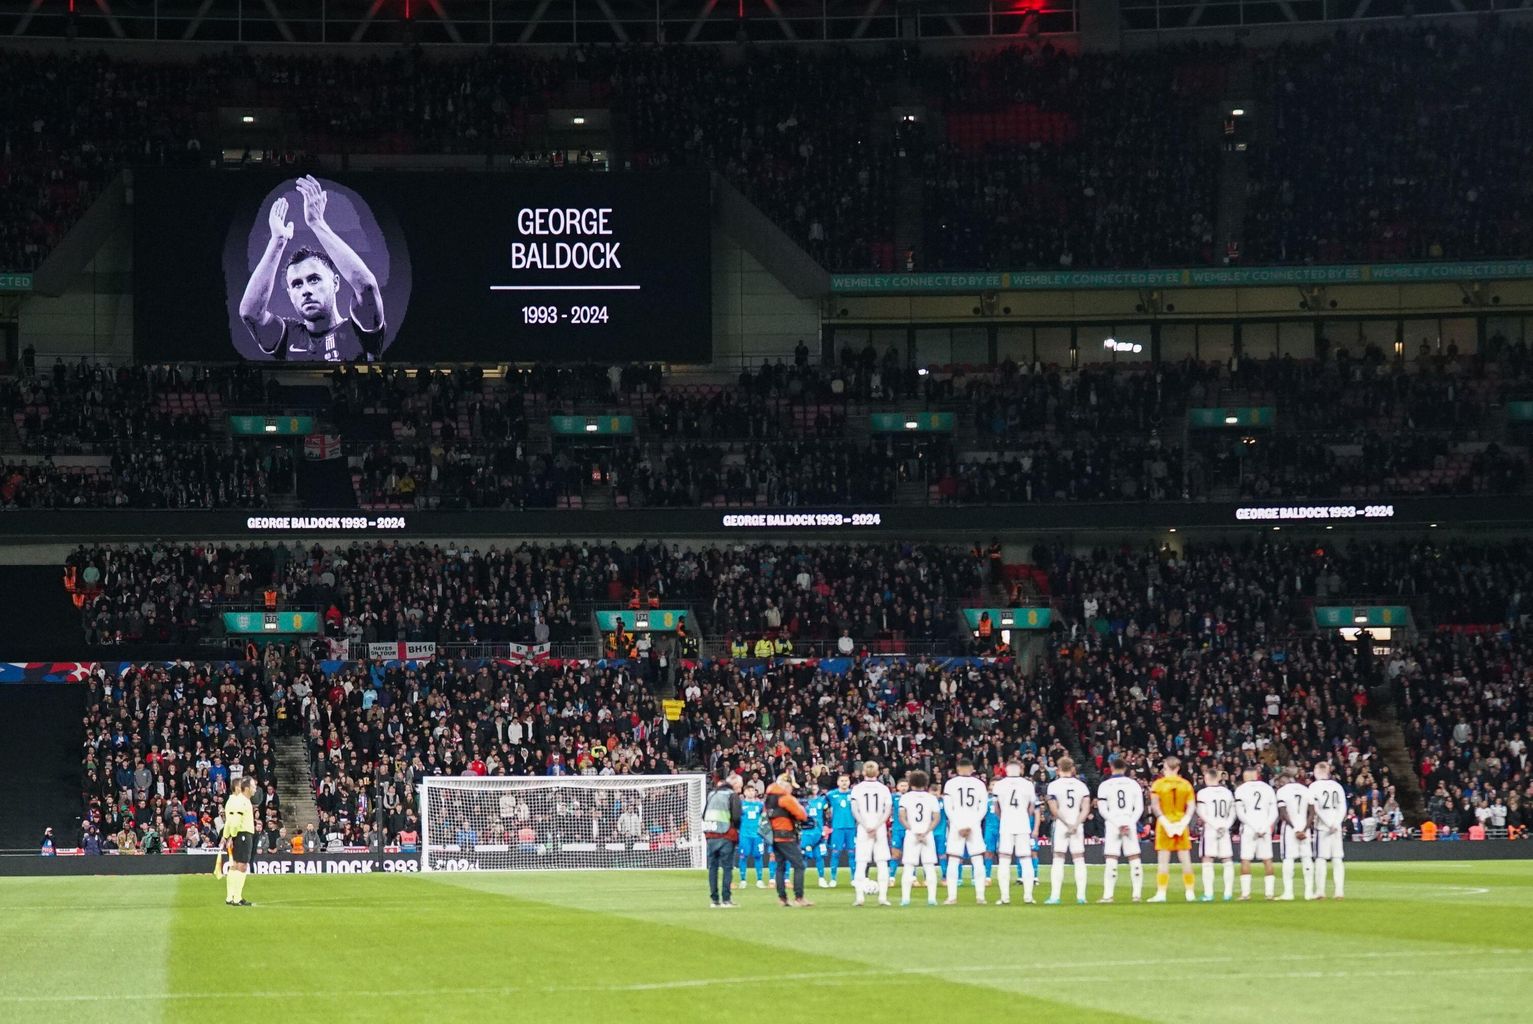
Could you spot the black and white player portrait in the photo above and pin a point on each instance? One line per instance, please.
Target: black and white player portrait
(316, 292)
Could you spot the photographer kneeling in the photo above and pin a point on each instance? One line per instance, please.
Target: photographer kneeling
(787, 816)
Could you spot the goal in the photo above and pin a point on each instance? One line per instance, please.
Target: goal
(502, 823)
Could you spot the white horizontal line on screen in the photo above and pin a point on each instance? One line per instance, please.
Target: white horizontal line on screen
(564, 287)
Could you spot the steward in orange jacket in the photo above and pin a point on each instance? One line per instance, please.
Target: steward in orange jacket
(786, 814)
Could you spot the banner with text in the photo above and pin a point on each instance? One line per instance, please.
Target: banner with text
(402, 650)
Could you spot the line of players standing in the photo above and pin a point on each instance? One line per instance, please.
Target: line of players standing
(1000, 825)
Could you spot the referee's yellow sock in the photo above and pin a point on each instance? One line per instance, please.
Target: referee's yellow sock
(229, 890)
(239, 885)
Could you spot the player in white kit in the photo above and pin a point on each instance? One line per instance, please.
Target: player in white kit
(1018, 800)
(965, 800)
(1294, 813)
(1216, 811)
(1256, 807)
(919, 811)
(1329, 801)
(871, 804)
(1069, 803)
(1120, 802)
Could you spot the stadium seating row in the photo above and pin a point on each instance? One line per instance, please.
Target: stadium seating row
(1026, 157)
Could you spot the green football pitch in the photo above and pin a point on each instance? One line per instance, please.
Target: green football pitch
(1412, 942)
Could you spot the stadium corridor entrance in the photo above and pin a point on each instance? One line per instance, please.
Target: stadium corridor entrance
(40, 740)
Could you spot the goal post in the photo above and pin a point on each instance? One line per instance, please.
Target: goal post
(567, 822)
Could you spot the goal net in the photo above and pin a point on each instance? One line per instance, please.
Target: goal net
(502, 823)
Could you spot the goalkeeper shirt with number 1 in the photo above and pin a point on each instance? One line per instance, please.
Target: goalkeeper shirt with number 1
(239, 816)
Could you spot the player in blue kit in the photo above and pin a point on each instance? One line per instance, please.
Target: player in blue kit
(896, 830)
(992, 833)
(812, 837)
(843, 827)
(752, 846)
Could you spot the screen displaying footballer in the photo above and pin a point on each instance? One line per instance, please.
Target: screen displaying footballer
(421, 267)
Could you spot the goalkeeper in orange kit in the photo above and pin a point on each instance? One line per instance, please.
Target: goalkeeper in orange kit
(1171, 801)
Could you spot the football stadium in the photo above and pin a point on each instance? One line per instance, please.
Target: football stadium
(788, 508)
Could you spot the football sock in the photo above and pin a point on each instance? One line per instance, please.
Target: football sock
(979, 877)
(1136, 875)
(1029, 878)
(1187, 886)
(1208, 878)
(1229, 879)
(1003, 876)
(1162, 882)
(1269, 885)
(1110, 879)
(1340, 867)
(952, 878)
(1080, 878)
(1245, 886)
(1056, 878)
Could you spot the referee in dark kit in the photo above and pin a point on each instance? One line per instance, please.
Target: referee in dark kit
(239, 840)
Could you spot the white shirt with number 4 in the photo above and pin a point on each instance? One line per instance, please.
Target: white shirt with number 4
(1018, 800)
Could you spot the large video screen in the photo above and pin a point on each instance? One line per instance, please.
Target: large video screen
(421, 267)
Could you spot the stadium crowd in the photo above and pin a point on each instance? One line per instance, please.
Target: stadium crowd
(530, 593)
(1028, 157)
(782, 434)
(1077, 160)
(65, 410)
(244, 475)
(1203, 654)
(162, 744)
(1357, 120)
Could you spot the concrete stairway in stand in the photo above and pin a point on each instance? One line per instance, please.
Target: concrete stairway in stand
(1384, 720)
(295, 784)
